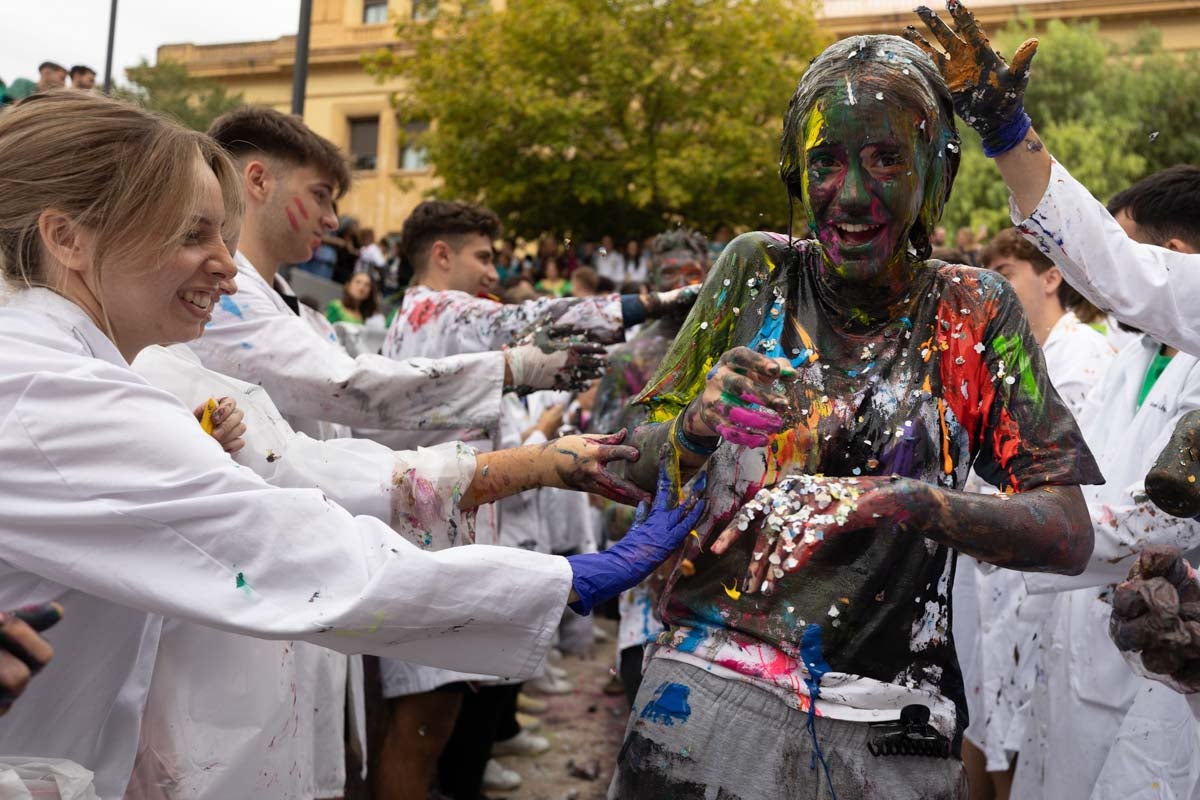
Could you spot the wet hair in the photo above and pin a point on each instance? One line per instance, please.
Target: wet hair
(1009, 243)
(443, 219)
(258, 130)
(129, 176)
(908, 77)
(1166, 205)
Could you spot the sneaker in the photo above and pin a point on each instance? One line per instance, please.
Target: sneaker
(528, 722)
(499, 778)
(531, 705)
(556, 672)
(523, 744)
(548, 684)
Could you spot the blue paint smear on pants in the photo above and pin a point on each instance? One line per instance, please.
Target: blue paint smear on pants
(669, 704)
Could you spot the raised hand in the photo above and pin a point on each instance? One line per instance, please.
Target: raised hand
(1156, 615)
(578, 462)
(743, 400)
(988, 92)
(552, 363)
(600, 576)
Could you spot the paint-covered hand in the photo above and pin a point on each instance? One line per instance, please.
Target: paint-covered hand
(551, 363)
(1172, 483)
(22, 651)
(226, 421)
(988, 92)
(578, 462)
(675, 303)
(1156, 618)
(743, 400)
(792, 519)
(653, 537)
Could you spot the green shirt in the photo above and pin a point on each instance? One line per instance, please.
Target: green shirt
(336, 312)
(1152, 374)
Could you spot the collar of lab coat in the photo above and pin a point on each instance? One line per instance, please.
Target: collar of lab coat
(247, 271)
(92, 340)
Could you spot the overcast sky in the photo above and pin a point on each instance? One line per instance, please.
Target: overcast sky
(76, 31)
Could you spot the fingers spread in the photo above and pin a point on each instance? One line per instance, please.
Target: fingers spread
(1023, 58)
(964, 23)
(914, 36)
(940, 30)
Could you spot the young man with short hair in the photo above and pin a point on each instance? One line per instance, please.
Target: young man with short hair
(448, 310)
(83, 77)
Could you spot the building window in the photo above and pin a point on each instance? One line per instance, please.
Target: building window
(413, 155)
(375, 12)
(424, 9)
(364, 142)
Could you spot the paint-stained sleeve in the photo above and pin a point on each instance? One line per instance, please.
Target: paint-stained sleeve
(1121, 529)
(131, 502)
(1150, 288)
(1028, 436)
(308, 376)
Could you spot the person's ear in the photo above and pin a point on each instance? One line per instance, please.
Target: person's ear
(66, 243)
(1179, 246)
(439, 255)
(257, 181)
(1051, 280)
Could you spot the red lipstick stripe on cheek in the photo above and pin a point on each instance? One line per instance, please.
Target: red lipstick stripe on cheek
(292, 220)
(300, 207)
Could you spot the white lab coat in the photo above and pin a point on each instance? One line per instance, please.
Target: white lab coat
(118, 506)
(996, 622)
(196, 744)
(436, 324)
(1085, 688)
(256, 337)
(1150, 288)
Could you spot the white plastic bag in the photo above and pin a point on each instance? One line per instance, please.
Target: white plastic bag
(29, 778)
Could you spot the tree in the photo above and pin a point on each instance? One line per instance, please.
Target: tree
(1111, 117)
(167, 88)
(605, 116)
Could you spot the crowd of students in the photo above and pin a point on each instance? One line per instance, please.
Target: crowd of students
(880, 525)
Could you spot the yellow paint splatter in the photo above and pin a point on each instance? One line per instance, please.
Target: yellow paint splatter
(947, 461)
(1191, 478)
(687, 567)
(733, 593)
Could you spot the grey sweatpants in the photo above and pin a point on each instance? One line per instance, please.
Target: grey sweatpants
(694, 736)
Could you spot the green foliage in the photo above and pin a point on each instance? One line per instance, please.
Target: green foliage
(167, 88)
(1110, 117)
(598, 116)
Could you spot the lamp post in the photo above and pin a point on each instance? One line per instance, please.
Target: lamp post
(300, 67)
(112, 29)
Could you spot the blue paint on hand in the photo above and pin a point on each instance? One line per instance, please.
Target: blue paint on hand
(669, 704)
(233, 308)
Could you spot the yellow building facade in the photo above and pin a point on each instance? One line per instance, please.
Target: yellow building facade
(353, 110)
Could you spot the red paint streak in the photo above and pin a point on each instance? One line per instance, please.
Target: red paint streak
(422, 312)
(292, 220)
(300, 207)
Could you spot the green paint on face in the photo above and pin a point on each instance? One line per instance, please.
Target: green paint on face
(1012, 352)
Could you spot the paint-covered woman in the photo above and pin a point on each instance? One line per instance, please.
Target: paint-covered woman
(839, 389)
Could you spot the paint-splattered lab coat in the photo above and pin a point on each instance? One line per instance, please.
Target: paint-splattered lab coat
(1150, 288)
(192, 744)
(256, 337)
(119, 507)
(1085, 688)
(1001, 619)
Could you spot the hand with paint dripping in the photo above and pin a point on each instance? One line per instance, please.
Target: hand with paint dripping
(743, 401)
(578, 462)
(1156, 618)
(654, 536)
(793, 518)
(545, 362)
(224, 423)
(1172, 483)
(988, 93)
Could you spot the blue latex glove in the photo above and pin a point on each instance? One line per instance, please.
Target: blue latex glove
(600, 576)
